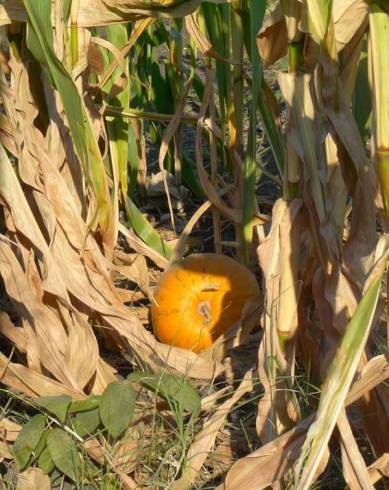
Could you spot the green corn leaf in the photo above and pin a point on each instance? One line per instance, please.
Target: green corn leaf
(161, 93)
(257, 12)
(361, 97)
(145, 231)
(210, 17)
(189, 176)
(117, 127)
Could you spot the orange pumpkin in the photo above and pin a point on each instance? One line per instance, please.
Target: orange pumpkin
(200, 298)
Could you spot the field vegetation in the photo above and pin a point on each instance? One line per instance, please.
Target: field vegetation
(136, 133)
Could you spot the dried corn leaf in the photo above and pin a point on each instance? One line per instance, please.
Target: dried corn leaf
(348, 17)
(32, 383)
(134, 268)
(379, 468)
(142, 248)
(4, 451)
(13, 198)
(280, 273)
(336, 385)
(16, 335)
(270, 463)
(101, 12)
(354, 468)
(32, 479)
(277, 409)
(9, 430)
(212, 194)
(272, 39)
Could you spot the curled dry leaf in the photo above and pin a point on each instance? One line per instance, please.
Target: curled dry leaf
(9, 430)
(348, 17)
(134, 268)
(202, 42)
(280, 266)
(140, 247)
(272, 38)
(379, 468)
(103, 12)
(5, 452)
(32, 383)
(354, 468)
(278, 409)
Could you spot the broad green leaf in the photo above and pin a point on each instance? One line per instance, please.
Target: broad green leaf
(63, 451)
(86, 423)
(28, 440)
(57, 405)
(176, 389)
(41, 43)
(45, 461)
(336, 386)
(90, 403)
(117, 407)
(42, 444)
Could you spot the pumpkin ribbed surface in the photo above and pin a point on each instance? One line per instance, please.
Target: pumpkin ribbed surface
(199, 299)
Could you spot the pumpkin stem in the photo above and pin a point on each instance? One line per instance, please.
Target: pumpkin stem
(204, 308)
